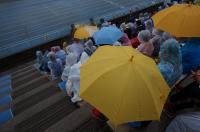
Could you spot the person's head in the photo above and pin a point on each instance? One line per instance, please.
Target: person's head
(71, 59)
(149, 24)
(196, 74)
(53, 49)
(170, 52)
(39, 53)
(128, 31)
(144, 36)
(156, 41)
(166, 36)
(57, 48)
(52, 56)
(64, 45)
(131, 25)
(157, 32)
(123, 26)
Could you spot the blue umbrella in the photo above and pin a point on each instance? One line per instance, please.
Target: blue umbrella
(107, 35)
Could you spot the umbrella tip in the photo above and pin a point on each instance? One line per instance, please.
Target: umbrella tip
(131, 60)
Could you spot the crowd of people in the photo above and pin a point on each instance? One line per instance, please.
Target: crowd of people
(178, 60)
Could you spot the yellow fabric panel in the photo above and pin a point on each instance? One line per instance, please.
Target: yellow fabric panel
(181, 20)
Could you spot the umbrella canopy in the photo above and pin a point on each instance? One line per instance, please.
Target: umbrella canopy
(107, 35)
(85, 32)
(123, 84)
(181, 20)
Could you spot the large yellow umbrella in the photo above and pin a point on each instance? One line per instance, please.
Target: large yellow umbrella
(123, 84)
(84, 32)
(181, 20)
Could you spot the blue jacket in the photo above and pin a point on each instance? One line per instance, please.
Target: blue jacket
(191, 55)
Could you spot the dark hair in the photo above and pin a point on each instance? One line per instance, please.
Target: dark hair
(134, 34)
(138, 22)
(128, 31)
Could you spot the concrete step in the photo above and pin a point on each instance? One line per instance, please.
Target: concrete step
(47, 117)
(22, 69)
(21, 106)
(78, 121)
(27, 96)
(22, 72)
(28, 86)
(40, 116)
(26, 78)
(17, 67)
(71, 121)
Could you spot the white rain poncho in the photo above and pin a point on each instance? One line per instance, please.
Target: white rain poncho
(73, 83)
(189, 122)
(76, 48)
(84, 57)
(71, 59)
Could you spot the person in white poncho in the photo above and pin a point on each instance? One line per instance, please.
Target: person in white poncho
(71, 59)
(73, 82)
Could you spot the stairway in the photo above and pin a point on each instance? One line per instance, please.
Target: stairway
(39, 105)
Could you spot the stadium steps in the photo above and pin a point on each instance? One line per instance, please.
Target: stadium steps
(39, 105)
(30, 98)
(25, 78)
(24, 72)
(25, 87)
(79, 121)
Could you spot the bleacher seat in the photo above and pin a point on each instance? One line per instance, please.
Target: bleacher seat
(6, 77)
(5, 89)
(5, 80)
(5, 116)
(6, 99)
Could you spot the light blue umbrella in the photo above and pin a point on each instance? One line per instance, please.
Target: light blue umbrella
(107, 35)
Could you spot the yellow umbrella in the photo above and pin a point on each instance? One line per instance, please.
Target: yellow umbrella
(181, 20)
(85, 32)
(123, 84)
